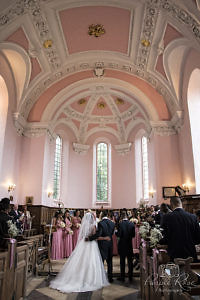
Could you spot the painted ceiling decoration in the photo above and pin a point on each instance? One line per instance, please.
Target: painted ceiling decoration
(98, 65)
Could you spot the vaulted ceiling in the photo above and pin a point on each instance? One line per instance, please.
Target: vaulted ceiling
(98, 65)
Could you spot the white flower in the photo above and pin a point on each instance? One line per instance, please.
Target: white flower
(12, 229)
(155, 236)
(144, 230)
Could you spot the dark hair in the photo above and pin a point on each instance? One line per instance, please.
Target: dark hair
(175, 201)
(104, 213)
(164, 207)
(4, 204)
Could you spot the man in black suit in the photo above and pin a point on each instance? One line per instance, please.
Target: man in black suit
(105, 229)
(125, 232)
(181, 231)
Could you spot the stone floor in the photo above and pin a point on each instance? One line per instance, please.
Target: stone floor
(37, 288)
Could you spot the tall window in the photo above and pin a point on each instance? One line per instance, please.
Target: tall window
(57, 168)
(145, 168)
(102, 172)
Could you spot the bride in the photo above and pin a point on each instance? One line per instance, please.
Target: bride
(84, 270)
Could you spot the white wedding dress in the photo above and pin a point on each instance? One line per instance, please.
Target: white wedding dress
(84, 270)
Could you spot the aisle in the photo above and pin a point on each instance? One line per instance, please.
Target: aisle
(38, 288)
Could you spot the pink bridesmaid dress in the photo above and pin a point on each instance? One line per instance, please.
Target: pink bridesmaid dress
(76, 228)
(67, 238)
(57, 249)
(115, 250)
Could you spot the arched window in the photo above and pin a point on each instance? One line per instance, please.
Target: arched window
(194, 112)
(145, 168)
(141, 167)
(102, 173)
(57, 168)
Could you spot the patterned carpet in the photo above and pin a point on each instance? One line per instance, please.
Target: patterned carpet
(37, 287)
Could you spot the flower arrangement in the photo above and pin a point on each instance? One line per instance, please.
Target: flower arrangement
(12, 229)
(155, 236)
(78, 225)
(144, 230)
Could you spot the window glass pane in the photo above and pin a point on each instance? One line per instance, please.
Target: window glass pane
(57, 168)
(102, 172)
(145, 168)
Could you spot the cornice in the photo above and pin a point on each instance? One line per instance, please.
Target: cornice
(123, 149)
(80, 148)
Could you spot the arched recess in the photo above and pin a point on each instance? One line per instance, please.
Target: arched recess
(173, 60)
(20, 65)
(3, 114)
(194, 112)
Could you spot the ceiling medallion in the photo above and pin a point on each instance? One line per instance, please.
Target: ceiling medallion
(81, 101)
(145, 43)
(119, 101)
(48, 44)
(96, 30)
(101, 105)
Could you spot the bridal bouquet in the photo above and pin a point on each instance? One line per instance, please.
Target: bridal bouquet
(155, 236)
(144, 230)
(62, 224)
(70, 232)
(12, 229)
(78, 225)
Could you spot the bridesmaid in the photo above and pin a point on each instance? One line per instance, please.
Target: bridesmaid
(67, 234)
(76, 223)
(57, 249)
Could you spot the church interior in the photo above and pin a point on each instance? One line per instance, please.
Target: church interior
(99, 110)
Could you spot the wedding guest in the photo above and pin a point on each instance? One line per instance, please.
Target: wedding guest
(67, 234)
(57, 248)
(181, 231)
(4, 217)
(76, 223)
(125, 232)
(25, 218)
(15, 214)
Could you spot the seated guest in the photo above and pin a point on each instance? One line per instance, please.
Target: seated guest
(15, 215)
(181, 231)
(4, 217)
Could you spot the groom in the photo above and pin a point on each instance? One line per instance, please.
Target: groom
(105, 229)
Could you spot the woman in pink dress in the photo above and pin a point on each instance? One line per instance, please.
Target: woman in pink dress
(57, 249)
(114, 237)
(67, 235)
(76, 223)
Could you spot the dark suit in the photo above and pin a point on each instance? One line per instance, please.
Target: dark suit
(15, 217)
(181, 234)
(4, 217)
(105, 228)
(125, 232)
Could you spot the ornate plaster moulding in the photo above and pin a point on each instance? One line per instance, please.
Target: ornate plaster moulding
(123, 149)
(162, 128)
(19, 123)
(80, 148)
(177, 120)
(39, 129)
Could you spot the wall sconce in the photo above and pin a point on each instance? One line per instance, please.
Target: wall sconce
(50, 194)
(11, 187)
(151, 192)
(186, 187)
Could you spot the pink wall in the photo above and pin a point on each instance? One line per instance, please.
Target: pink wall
(185, 141)
(31, 168)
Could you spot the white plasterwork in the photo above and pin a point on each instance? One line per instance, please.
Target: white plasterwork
(123, 149)
(80, 148)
